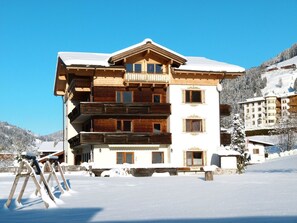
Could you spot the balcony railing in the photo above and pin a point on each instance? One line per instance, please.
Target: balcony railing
(144, 77)
(85, 110)
(94, 138)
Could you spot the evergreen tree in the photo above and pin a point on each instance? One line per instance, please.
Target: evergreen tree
(238, 135)
(238, 142)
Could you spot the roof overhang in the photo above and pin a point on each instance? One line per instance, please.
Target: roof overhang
(210, 74)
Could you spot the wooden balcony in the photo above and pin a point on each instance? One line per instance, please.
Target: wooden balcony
(144, 77)
(85, 110)
(95, 138)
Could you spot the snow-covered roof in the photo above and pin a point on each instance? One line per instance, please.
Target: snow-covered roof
(290, 61)
(249, 100)
(225, 152)
(204, 64)
(87, 59)
(192, 63)
(144, 42)
(264, 139)
(50, 146)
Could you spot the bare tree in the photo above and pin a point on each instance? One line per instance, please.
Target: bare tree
(286, 130)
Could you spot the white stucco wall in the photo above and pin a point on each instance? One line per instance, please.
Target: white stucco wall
(256, 158)
(106, 157)
(182, 141)
(228, 162)
(69, 131)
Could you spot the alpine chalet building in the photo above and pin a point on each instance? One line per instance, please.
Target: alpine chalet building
(145, 105)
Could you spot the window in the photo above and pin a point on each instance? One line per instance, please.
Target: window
(124, 125)
(156, 98)
(193, 96)
(123, 96)
(157, 157)
(86, 157)
(137, 68)
(256, 151)
(158, 68)
(129, 67)
(194, 158)
(157, 127)
(154, 68)
(125, 157)
(194, 125)
(133, 67)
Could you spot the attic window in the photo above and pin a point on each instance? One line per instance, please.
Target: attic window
(154, 68)
(133, 67)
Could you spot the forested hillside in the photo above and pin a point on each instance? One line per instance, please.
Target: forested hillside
(16, 140)
(250, 84)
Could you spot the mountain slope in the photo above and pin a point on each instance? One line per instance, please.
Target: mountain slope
(16, 140)
(258, 81)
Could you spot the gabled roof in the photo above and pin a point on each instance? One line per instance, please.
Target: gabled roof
(147, 45)
(264, 139)
(179, 63)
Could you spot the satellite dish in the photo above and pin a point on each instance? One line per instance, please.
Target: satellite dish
(219, 87)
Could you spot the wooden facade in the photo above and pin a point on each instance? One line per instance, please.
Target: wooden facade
(124, 99)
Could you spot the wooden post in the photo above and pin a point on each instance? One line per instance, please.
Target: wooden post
(63, 177)
(23, 188)
(30, 172)
(14, 185)
(208, 176)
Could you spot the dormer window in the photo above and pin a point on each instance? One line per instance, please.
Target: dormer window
(136, 68)
(154, 68)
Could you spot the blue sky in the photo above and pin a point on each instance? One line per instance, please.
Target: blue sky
(244, 33)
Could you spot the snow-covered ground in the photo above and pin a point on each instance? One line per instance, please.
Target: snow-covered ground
(265, 193)
(281, 81)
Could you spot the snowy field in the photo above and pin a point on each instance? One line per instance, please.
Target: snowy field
(265, 193)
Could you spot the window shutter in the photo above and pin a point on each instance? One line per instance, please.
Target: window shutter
(203, 96)
(203, 125)
(185, 158)
(204, 158)
(184, 125)
(183, 96)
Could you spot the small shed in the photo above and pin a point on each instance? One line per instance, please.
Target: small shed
(256, 147)
(228, 158)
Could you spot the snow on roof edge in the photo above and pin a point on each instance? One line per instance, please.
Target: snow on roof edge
(205, 64)
(143, 43)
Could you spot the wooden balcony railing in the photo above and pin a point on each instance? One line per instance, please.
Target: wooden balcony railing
(146, 77)
(85, 110)
(93, 138)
